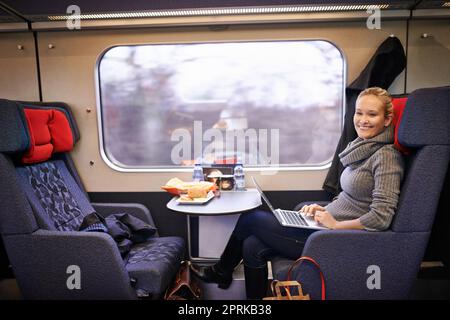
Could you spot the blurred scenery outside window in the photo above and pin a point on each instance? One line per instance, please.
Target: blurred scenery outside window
(168, 105)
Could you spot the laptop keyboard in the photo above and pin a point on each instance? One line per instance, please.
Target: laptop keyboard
(293, 217)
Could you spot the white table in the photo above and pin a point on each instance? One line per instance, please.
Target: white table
(229, 202)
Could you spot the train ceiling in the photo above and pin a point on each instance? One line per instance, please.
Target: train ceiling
(48, 10)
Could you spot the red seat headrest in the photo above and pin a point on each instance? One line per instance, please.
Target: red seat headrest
(50, 133)
(399, 105)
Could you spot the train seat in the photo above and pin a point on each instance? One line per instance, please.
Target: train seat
(384, 265)
(43, 204)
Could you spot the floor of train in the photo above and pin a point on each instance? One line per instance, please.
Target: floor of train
(433, 282)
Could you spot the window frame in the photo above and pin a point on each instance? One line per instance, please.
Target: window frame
(110, 162)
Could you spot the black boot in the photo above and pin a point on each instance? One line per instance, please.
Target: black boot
(222, 272)
(256, 282)
(212, 274)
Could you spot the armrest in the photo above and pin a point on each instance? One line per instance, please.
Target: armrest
(135, 209)
(41, 260)
(348, 259)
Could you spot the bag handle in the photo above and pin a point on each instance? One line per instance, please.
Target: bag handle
(314, 262)
(277, 285)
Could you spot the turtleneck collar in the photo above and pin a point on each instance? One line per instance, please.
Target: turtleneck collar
(361, 149)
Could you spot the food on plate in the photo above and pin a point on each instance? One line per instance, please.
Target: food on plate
(175, 183)
(198, 192)
(189, 190)
(185, 197)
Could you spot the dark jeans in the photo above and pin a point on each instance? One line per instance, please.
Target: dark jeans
(263, 236)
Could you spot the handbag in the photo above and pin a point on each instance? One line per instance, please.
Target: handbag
(277, 286)
(184, 287)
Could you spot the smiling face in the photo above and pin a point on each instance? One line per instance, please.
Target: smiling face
(370, 117)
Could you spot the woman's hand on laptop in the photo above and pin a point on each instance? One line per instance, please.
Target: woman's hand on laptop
(310, 210)
(326, 219)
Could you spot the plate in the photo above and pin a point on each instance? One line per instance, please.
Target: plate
(197, 200)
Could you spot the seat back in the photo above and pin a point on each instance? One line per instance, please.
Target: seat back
(56, 199)
(16, 216)
(38, 189)
(425, 130)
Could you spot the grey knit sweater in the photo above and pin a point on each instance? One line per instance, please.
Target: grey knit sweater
(370, 182)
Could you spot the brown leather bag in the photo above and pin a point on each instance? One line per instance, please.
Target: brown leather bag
(278, 295)
(287, 285)
(184, 287)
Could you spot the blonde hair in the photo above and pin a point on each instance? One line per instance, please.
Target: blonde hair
(381, 94)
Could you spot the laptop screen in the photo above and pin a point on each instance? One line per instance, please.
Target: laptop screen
(262, 194)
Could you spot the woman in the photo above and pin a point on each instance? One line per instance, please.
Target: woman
(371, 187)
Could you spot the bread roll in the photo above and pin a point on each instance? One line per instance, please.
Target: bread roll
(185, 198)
(197, 192)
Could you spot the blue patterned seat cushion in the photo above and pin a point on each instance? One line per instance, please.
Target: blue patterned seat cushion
(57, 200)
(154, 263)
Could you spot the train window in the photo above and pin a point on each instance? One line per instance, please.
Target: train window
(267, 103)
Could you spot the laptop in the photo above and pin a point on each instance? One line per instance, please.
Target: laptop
(289, 218)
